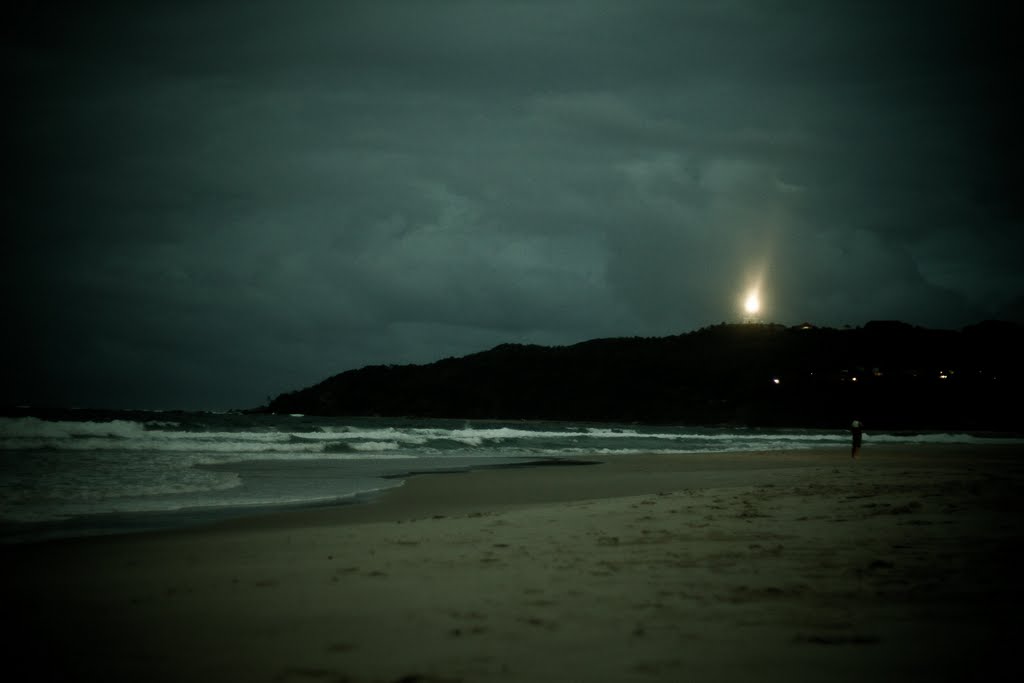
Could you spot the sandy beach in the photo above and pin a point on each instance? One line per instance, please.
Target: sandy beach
(794, 566)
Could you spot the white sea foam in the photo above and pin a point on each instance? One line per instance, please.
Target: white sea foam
(938, 438)
(29, 434)
(51, 470)
(375, 446)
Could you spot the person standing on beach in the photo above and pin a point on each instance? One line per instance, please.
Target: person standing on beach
(858, 433)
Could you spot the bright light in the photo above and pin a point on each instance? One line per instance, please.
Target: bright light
(752, 304)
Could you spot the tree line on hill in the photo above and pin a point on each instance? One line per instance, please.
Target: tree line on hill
(888, 374)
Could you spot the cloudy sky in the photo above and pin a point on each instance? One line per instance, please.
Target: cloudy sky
(215, 201)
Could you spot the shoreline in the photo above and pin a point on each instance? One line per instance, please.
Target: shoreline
(501, 487)
(195, 519)
(796, 565)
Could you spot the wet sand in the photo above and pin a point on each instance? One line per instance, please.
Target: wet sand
(795, 566)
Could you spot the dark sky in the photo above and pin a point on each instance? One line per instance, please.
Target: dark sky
(215, 201)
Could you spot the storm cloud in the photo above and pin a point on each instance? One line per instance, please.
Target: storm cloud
(217, 201)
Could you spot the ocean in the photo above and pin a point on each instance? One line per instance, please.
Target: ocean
(61, 478)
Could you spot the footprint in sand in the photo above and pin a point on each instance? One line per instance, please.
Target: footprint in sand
(472, 631)
(540, 623)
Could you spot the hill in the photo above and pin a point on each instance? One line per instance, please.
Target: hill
(886, 373)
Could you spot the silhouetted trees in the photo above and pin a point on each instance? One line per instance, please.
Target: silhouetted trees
(888, 374)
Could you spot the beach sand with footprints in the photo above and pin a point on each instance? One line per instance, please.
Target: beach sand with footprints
(788, 566)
